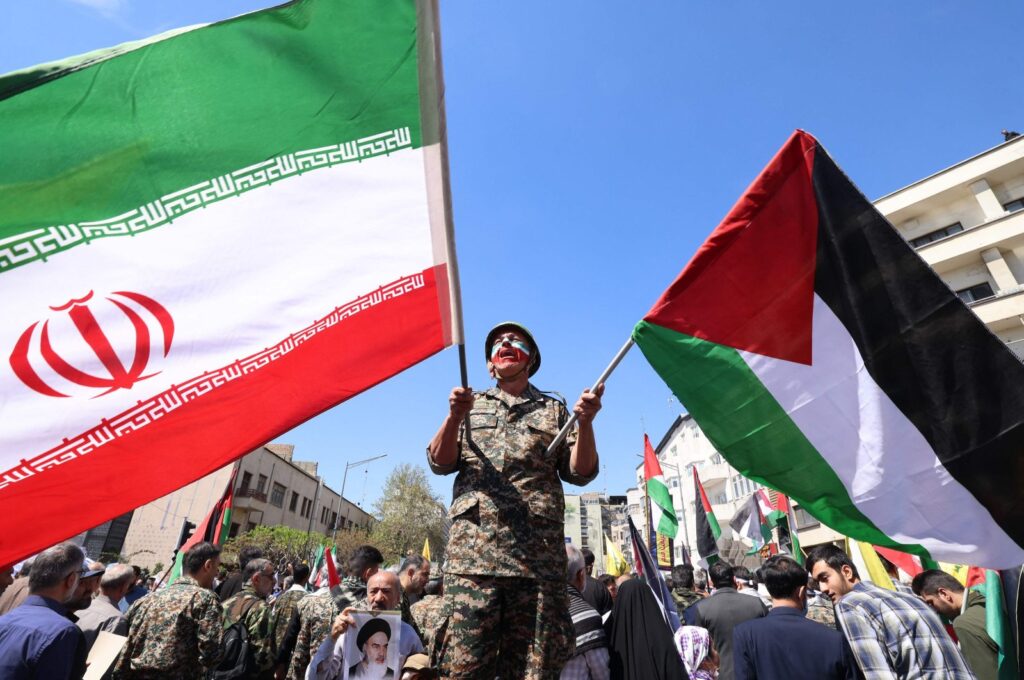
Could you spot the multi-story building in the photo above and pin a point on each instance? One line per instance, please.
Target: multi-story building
(967, 222)
(591, 516)
(271, 489)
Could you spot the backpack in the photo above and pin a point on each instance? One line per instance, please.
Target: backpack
(239, 656)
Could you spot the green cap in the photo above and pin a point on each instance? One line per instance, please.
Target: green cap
(522, 330)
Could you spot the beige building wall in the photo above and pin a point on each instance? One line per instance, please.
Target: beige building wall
(271, 489)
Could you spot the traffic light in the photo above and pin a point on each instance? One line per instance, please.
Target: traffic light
(186, 532)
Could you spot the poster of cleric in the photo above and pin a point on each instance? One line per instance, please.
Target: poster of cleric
(371, 649)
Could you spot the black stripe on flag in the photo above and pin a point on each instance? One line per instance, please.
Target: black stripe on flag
(960, 386)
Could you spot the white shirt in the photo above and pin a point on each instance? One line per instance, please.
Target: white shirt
(329, 660)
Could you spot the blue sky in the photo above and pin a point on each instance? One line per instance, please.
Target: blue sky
(594, 147)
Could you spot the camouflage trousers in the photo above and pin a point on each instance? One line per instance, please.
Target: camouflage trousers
(506, 627)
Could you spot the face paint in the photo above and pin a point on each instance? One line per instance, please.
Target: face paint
(522, 351)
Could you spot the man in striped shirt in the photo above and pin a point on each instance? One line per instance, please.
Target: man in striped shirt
(892, 635)
(590, 660)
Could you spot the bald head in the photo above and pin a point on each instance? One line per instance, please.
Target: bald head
(383, 591)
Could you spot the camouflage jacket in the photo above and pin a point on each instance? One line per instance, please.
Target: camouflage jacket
(172, 633)
(684, 597)
(507, 514)
(259, 624)
(316, 614)
(431, 621)
(283, 608)
(820, 609)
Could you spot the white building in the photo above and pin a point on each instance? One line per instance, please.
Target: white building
(967, 222)
(589, 518)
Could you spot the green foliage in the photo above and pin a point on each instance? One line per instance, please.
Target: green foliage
(408, 513)
(281, 544)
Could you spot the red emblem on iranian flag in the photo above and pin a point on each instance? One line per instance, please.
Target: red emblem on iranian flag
(73, 348)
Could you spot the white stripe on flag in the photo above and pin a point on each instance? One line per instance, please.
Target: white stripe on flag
(885, 463)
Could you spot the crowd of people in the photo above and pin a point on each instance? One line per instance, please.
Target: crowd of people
(784, 621)
(515, 602)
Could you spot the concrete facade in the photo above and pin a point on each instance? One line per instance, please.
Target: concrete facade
(967, 222)
(589, 517)
(271, 489)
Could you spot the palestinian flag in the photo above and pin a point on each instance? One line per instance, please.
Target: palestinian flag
(825, 359)
(210, 530)
(997, 623)
(785, 520)
(207, 238)
(749, 522)
(663, 513)
(647, 569)
(708, 530)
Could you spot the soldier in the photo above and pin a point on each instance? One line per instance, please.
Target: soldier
(505, 561)
(174, 633)
(250, 605)
(819, 607)
(682, 592)
(285, 612)
(317, 611)
(430, 620)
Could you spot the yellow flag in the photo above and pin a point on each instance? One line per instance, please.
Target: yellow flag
(870, 566)
(426, 548)
(615, 561)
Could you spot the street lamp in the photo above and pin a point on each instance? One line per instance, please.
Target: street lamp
(344, 479)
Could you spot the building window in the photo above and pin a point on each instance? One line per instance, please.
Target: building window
(261, 484)
(307, 507)
(804, 520)
(1014, 205)
(246, 481)
(975, 293)
(334, 519)
(277, 495)
(931, 236)
(716, 459)
(720, 498)
(295, 501)
(741, 486)
(235, 526)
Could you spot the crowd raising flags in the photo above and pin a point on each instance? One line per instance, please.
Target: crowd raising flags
(191, 270)
(812, 346)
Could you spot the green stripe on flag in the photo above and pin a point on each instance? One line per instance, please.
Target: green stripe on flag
(668, 524)
(150, 119)
(743, 421)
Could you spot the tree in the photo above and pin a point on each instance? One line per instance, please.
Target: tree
(281, 544)
(409, 513)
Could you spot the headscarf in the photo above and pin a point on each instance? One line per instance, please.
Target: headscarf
(639, 640)
(694, 644)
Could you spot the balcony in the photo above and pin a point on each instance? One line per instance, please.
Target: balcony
(1005, 309)
(244, 498)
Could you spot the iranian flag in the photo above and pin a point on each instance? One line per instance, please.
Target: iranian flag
(825, 359)
(663, 514)
(207, 238)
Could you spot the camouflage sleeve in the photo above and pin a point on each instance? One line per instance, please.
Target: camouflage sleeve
(209, 619)
(300, 657)
(565, 469)
(448, 469)
(259, 623)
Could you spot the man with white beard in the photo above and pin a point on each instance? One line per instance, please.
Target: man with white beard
(373, 641)
(383, 593)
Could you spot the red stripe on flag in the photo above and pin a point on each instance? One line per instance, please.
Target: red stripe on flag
(651, 466)
(226, 423)
(703, 496)
(332, 572)
(755, 293)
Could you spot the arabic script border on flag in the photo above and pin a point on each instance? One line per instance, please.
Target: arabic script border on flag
(39, 244)
(147, 412)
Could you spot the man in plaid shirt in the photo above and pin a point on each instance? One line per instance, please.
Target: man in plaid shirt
(892, 635)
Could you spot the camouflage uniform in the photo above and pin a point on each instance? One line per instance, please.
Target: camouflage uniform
(505, 561)
(431, 622)
(684, 597)
(173, 634)
(316, 614)
(284, 607)
(259, 623)
(820, 609)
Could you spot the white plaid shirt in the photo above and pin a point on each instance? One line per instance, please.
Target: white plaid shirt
(898, 636)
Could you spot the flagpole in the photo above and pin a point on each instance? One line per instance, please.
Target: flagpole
(603, 377)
